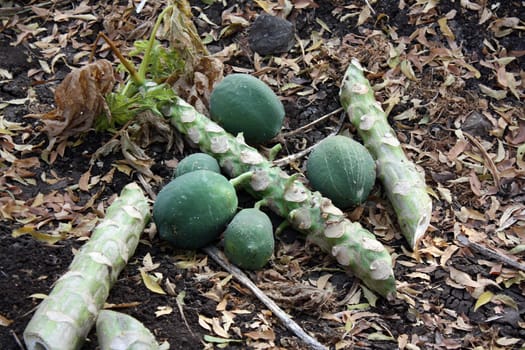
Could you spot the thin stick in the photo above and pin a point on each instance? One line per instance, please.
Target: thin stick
(290, 158)
(309, 125)
(17, 340)
(135, 76)
(215, 254)
(147, 187)
(491, 253)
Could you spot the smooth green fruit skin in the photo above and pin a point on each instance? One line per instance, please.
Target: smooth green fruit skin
(192, 210)
(248, 239)
(197, 161)
(343, 170)
(244, 104)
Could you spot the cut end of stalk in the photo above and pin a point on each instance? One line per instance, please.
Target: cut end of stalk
(35, 344)
(219, 145)
(301, 218)
(259, 181)
(391, 139)
(295, 194)
(420, 230)
(372, 244)
(367, 122)
(251, 157)
(341, 254)
(381, 270)
(335, 230)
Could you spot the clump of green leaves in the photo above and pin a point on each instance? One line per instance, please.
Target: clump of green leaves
(163, 63)
(123, 108)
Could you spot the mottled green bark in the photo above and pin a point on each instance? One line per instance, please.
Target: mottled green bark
(307, 211)
(403, 183)
(63, 320)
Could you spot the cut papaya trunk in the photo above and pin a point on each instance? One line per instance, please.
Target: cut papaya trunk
(404, 185)
(64, 319)
(308, 212)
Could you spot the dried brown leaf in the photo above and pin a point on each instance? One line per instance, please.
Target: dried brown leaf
(506, 299)
(163, 310)
(39, 236)
(364, 15)
(462, 278)
(504, 26)
(79, 99)
(4, 321)
(470, 5)
(496, 94)
(218, 329)
(267, 334)
(483, 299)
(205, 322)
(83, 182)
(459, 147)
(265, 5)
(136, 156)
(151, 282)
(445, 28)
(504, 341)
(302, 4)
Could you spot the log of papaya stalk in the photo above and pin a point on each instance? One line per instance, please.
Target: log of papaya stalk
(404, 185)
(116, 330)
(308, 212)
(64, 319)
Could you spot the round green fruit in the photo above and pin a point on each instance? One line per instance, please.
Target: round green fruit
(248, 239)
(192, 210)
(342, 170)
(197, 161)
(244, 104)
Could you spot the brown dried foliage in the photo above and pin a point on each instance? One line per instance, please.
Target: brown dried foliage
(80, 99)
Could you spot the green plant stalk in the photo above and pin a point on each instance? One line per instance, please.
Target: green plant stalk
(403, 183)
(308, 212)
(116, 330)
(63, 320)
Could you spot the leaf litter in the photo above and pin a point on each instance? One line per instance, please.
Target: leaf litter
(434, 66)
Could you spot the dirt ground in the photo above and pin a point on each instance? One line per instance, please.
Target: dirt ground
(450, 74)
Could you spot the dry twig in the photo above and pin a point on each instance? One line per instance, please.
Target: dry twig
(491, 253)
(309, 125)
(216, 255)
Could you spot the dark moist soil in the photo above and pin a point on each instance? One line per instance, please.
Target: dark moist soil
(29, 267)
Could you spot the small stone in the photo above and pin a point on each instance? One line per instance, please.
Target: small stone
(476, 124)
(270, 35)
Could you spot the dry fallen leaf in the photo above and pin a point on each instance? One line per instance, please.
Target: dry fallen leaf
(483, 299)
(4, 321)
(504, 341)
(151, 283)
(163, 310)
(79, 99)
(267, 334)
(39, 236)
